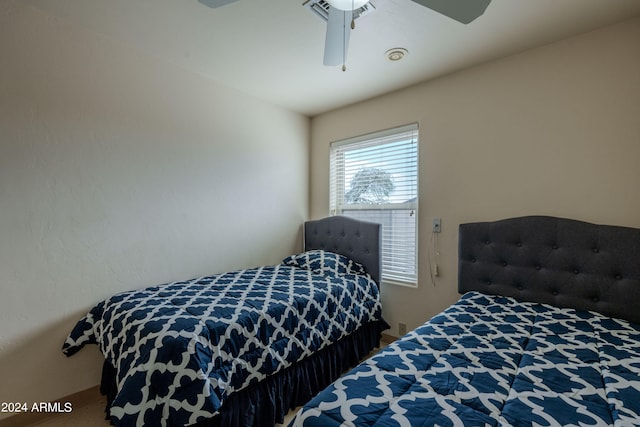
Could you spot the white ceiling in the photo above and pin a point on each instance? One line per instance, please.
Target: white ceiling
(273, 49)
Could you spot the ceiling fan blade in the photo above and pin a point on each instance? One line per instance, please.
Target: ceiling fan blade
(463, 11)
(216, 3)
(337, 39)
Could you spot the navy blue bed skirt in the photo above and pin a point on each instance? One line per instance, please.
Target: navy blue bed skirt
(266, 403)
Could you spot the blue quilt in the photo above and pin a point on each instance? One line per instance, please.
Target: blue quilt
(491, 361)
(179, 349)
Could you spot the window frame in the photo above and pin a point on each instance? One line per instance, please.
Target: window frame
(339, 187)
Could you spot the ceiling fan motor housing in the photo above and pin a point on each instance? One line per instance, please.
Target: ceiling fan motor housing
(347, 4)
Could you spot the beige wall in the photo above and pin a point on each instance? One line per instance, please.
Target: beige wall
(118, 171)
(551, 131)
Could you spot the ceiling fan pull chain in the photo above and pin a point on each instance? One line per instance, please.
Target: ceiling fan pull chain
(344, 45)
(353, 26)
(353, 20)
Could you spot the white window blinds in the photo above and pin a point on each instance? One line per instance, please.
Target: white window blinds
(375, 178)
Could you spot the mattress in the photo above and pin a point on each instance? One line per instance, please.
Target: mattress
(492, 361)
(181, 348)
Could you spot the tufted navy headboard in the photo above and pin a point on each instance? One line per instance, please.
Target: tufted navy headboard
(359, 240)
(563, 262)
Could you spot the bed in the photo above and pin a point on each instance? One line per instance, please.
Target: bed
(546, 333)
(240, 348)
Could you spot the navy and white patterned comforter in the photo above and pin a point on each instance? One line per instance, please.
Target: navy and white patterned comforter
(179, 349)
(490, 361)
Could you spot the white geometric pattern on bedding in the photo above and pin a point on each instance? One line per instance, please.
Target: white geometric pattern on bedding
(179, 349)
(489, 360)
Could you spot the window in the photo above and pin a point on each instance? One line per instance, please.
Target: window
(375, 178)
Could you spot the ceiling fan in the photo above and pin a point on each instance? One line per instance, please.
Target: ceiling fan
(342, 14)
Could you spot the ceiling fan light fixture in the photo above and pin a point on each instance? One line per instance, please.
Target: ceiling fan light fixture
(347, 4)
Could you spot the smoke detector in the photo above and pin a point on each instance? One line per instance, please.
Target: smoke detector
(396, 54)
